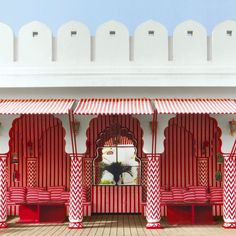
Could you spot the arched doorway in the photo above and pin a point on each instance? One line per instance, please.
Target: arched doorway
(192, 143)
(121, 134)
(37, 156)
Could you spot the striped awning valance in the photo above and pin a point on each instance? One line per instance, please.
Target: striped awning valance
(195, 106)
(110, 106)
(35, 106)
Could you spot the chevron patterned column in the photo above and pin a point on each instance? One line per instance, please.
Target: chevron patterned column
(229, 204)
(3, 192)
(202, 172)
(88, 180)
(31, 172)
(153, 212)
(76, 206)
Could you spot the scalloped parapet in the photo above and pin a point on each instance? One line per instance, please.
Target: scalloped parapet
(112, 43)
(73, 43)
(6, 44)
(190, 43)
(35, 43)
(224, 42)
(151, 43)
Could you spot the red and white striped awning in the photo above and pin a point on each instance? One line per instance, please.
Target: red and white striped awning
(113, 106)
(195, 106)
(35, 106)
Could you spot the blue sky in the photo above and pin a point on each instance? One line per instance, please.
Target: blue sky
(130, 12)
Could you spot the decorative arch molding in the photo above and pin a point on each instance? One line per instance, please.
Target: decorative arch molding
(115, 130)
(100, 130)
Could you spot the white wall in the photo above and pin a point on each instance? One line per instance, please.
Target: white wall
(35, 44)
(73, 43)
(147, 132)
(6, 124)
(190, 43)
(224, 43)
(227, 139)
(6, 44)
(151, 43)
(80, 137)
(112, 44)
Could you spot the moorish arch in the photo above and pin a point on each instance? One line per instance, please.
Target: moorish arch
(99, 124)
(190, 140)
(100, 130)
(34, 141)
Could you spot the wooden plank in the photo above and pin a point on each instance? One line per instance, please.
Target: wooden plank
(113, 231)
(107, 227)
(120, 225)
(113, 225)
(102, 224)
(138, 225)
(127, 230)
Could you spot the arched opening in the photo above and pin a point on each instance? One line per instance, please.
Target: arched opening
(190, 158)
(37, 157)
(116, 161)
(114, 141)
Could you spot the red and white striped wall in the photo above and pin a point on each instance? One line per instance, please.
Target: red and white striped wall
(116, 199)
(40, 137)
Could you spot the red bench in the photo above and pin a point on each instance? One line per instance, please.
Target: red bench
(20, 195)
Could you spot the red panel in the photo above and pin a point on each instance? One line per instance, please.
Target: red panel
(179, 214)
(29, 214)
(42, 213)
(189, 214)
(116, 199)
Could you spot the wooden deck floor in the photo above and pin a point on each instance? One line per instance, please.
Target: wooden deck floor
(113, 225)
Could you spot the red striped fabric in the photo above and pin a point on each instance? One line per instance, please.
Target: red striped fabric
(116, 199)
(195, 106)
(35, 106)
(113, 106)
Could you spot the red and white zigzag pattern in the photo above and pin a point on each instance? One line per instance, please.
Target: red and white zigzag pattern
(76, 205)
(144, 180)
(153, 213)
(202, 172)
(88, 180)
(32, 173)
(229, 205)
(3, 192)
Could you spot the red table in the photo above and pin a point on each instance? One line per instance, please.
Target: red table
(42, 212)
(189, 213)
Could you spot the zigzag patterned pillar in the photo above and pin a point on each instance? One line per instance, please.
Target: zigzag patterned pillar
(31, 172)
(153, 212)
(202, 172)
(88, 180)
(229, 204)
(3, 192)
(76, 206)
